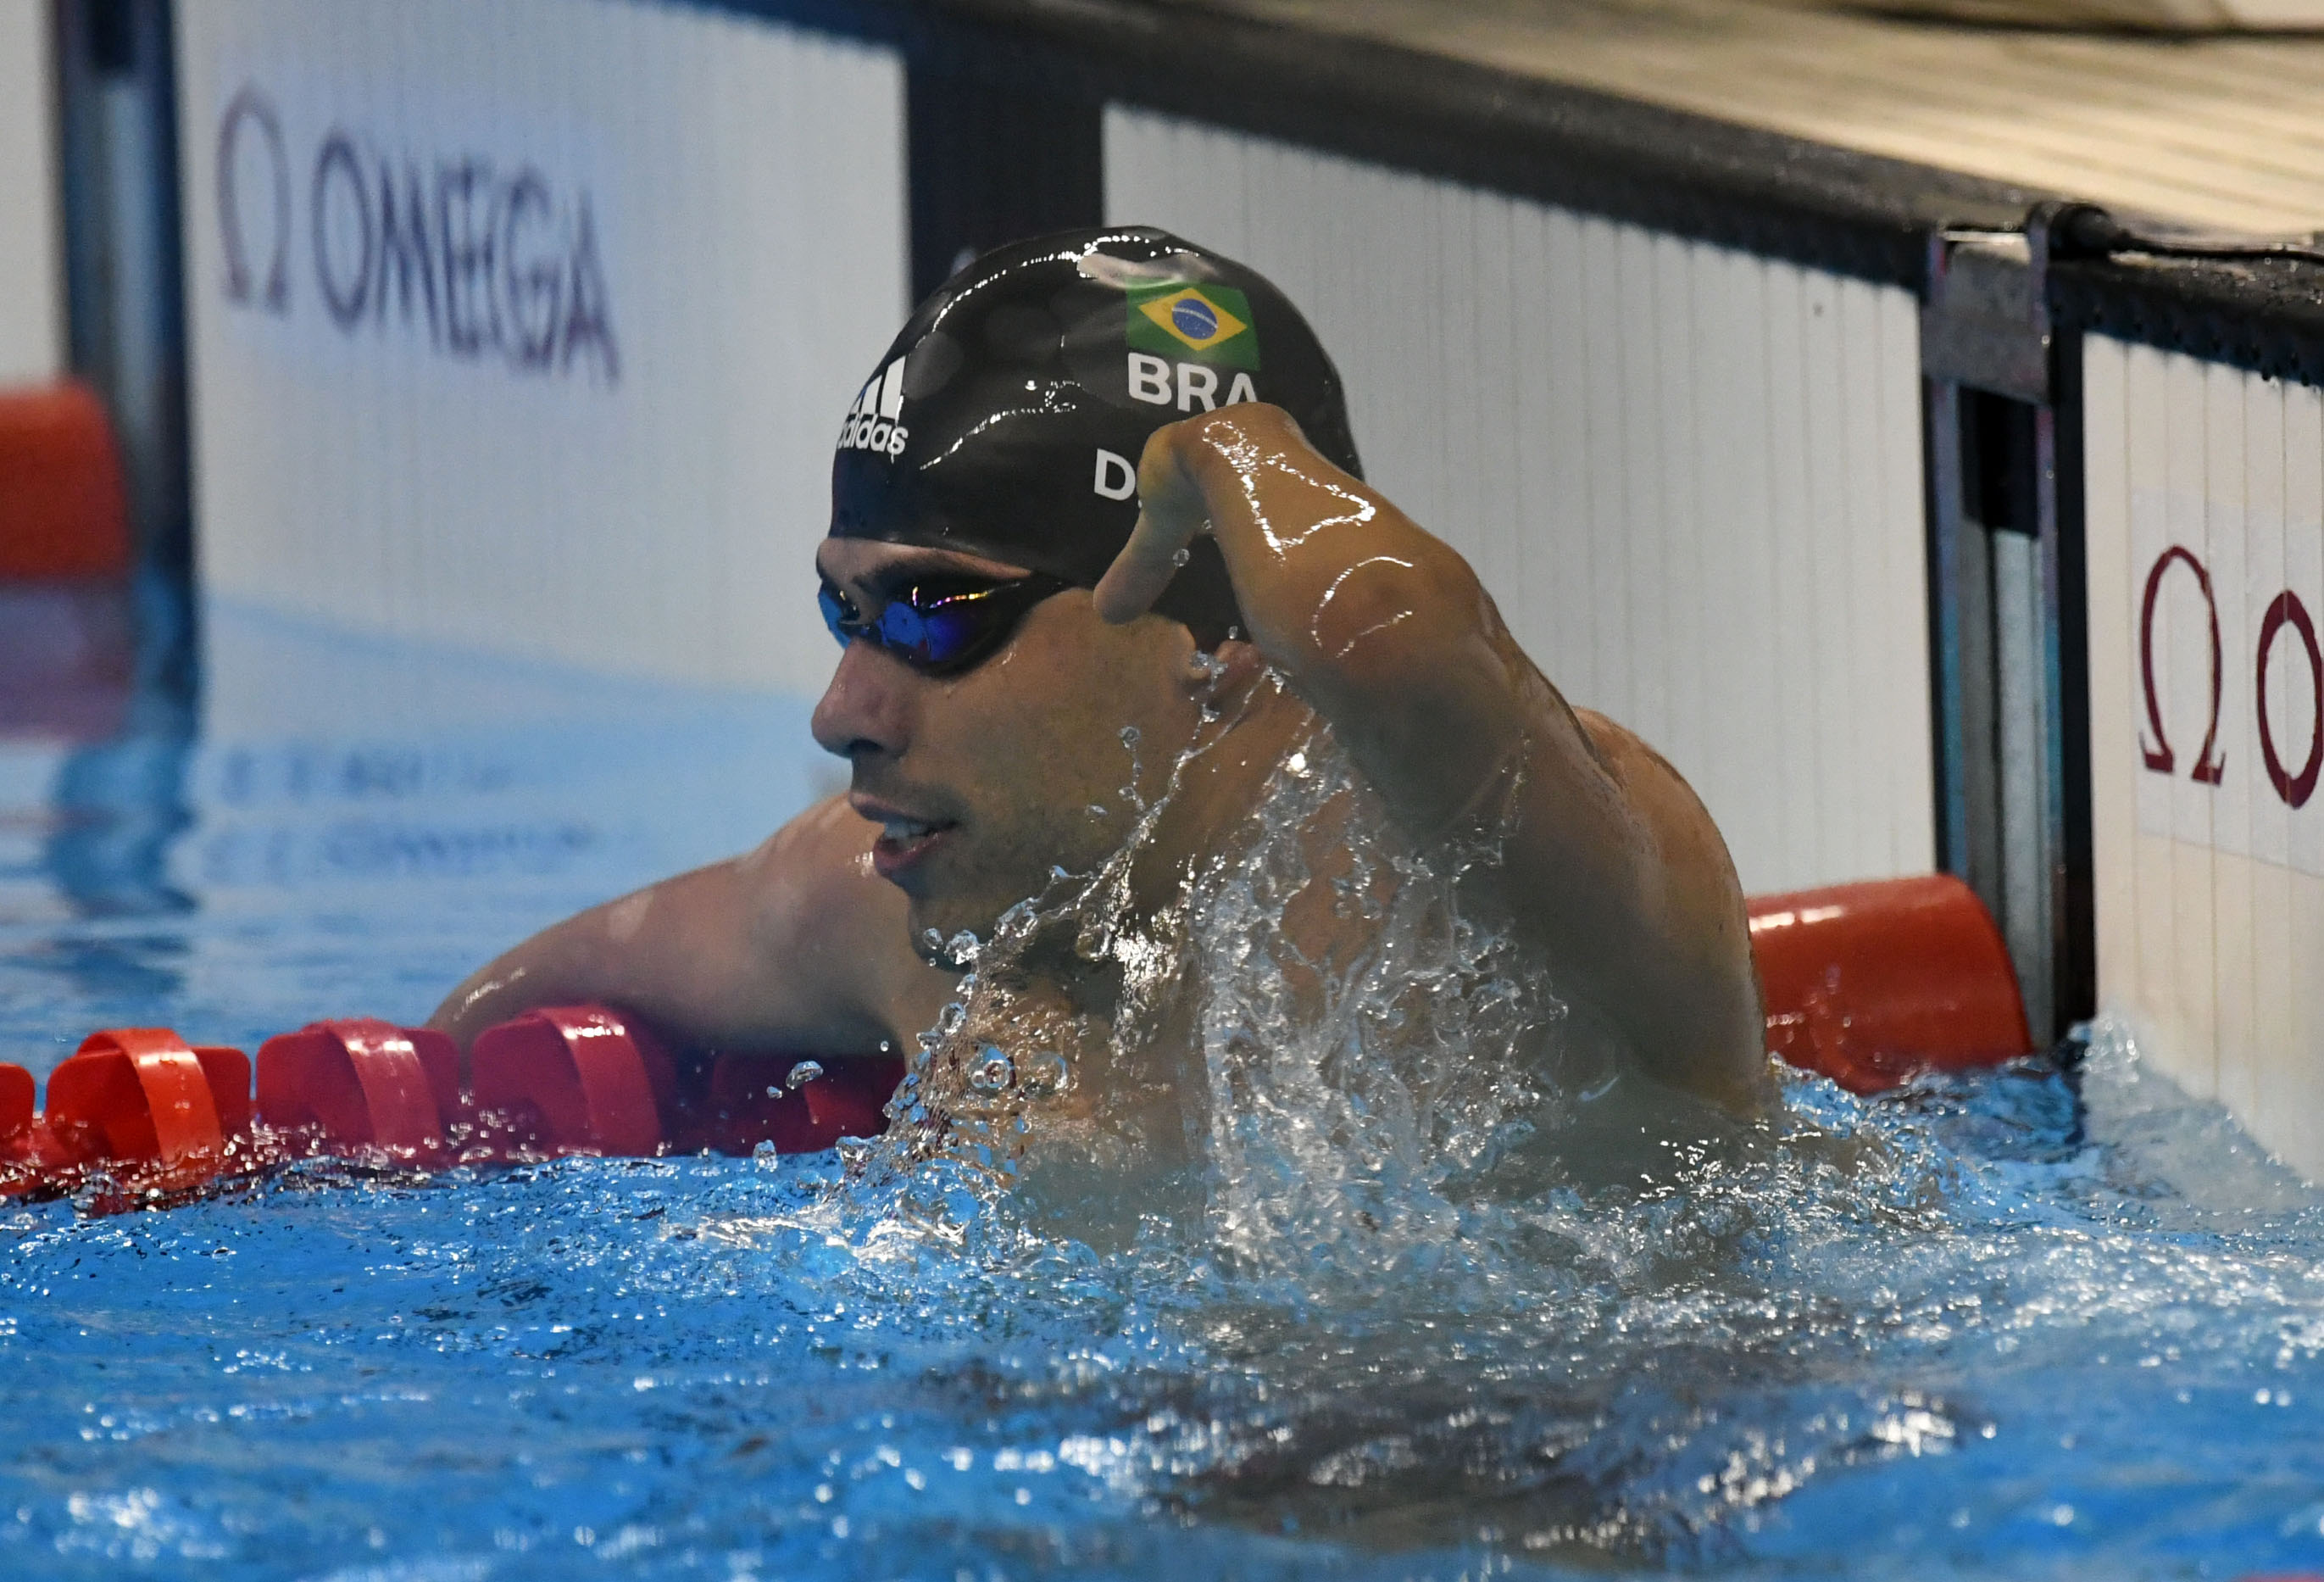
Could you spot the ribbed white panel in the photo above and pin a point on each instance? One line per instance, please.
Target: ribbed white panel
(655, 513)
(2209, 869)
(31, 299)
(1690, 478)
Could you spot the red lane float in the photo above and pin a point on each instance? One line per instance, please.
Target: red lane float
(573, 1079)
(576, 1079)
(362, 1083)
(20, 1170)
(141, 1098)
(749, 1099)
(1867, 984)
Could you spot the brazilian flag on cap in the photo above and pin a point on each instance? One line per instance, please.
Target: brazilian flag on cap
(1209, 323)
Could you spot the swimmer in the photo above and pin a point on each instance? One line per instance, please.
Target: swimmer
(1101, 563)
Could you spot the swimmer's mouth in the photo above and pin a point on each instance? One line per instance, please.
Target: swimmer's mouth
(903, 841)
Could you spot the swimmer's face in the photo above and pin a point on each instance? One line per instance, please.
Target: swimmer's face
(984, 781)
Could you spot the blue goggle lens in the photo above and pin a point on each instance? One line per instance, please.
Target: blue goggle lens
(940, 624)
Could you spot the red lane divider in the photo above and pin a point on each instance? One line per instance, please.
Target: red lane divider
(576, 1079)
(1867, 984)
(20, 1171)
(363, 1083)
(141, 1098)
(156, 1113)
(1864, 983)
(747, 1099)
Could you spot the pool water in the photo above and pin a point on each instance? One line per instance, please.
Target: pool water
(2057, 1321)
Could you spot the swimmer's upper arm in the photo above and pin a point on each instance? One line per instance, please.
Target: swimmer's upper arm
(791, 945)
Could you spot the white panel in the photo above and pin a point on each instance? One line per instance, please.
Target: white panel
(467, 461)
(2210, 868)
(2289, 1115)
(2227, 532)
(1737, 409)
(2187, 672)
(1829, 540)
(1682, 606)
(2145, 426)
(1791, 512)
(2265, 975)
(1906, 742)
(1560, 503)
(2113, 676)
(1612, 675)
(1641, 646)
(1689, 477)
(31, 293)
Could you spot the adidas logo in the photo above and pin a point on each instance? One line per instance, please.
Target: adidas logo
(872, 422)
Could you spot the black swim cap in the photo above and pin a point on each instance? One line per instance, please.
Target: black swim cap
(1007, 418)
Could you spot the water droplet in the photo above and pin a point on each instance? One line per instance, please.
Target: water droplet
(1129, 736)
(949, 1019)
(992, 1071)
(1181, 556)
(1096, 810)
(1043, 1075)
(962, 947)
(804, 1072)
(932, 939)
(1093, 942)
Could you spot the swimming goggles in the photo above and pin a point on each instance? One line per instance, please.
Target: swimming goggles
(941, 626)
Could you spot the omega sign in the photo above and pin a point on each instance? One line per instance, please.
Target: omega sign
(479, 260)
(2287, 636)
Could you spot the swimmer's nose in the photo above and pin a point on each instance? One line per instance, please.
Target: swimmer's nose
(863, 711)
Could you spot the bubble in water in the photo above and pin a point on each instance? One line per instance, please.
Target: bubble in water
(804, 1072)
(1180, 556)
(1130, 737)
(962, 947)
(949, 1019)
(932, 939)
(1043, 1074)
(1093, 942)
(992, 1071)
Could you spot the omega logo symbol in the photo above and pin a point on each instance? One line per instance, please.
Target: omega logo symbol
(2285, 611)
(2159, 757)
(251, 115)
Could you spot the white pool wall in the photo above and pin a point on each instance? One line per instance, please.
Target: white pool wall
(639, 488)
(1690, 478)
(31, 247)
(2209, 881)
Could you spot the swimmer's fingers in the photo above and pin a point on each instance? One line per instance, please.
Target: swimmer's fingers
(1171, 515)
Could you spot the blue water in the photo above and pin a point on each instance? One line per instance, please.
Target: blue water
(2056, 1322)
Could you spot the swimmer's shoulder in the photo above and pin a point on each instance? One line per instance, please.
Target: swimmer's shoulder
(833, 932)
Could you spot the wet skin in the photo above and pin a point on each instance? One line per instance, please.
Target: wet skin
(966, 790)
